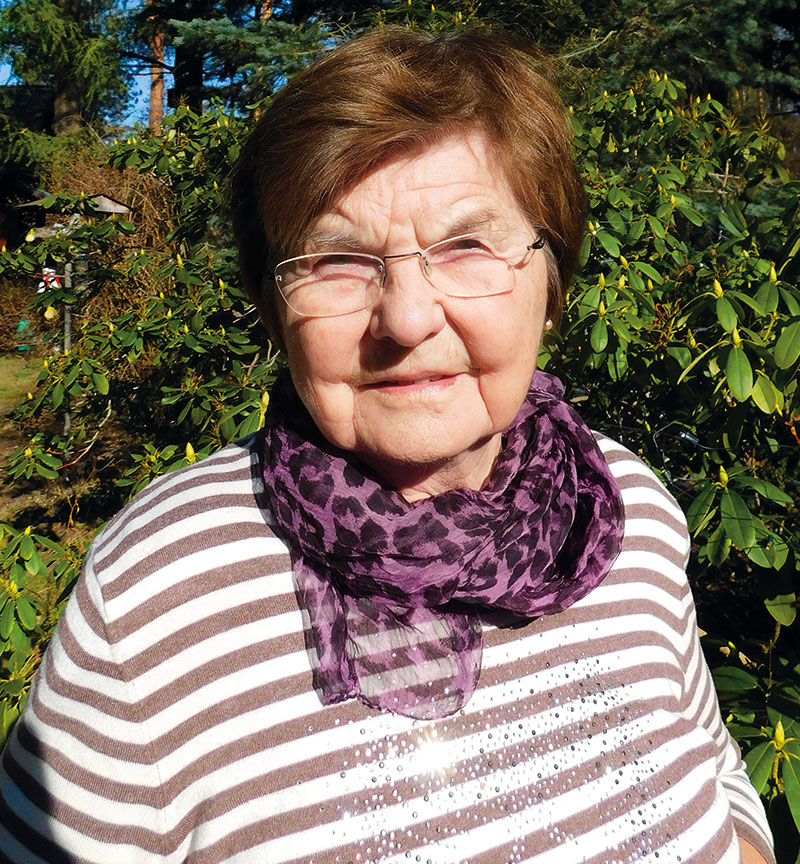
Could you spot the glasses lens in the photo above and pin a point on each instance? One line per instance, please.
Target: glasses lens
(329, 284)
(479, 264)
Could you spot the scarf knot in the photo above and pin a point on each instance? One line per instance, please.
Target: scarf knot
(395, 590)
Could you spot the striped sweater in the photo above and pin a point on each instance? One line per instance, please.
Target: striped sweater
(174, 719)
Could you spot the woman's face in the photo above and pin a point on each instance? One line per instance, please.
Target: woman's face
(421, 385)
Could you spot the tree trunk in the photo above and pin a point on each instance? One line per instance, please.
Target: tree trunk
(67, 109)
(189, 77)
(68, 100)
(156, 82)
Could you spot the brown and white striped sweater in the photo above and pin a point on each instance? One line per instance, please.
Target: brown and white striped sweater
(173, 718)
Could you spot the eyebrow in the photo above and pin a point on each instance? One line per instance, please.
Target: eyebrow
(471, 221)
(321, 239)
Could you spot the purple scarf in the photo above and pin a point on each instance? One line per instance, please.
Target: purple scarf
(395, 591)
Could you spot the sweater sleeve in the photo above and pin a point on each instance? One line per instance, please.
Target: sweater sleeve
(658, 519)
(78, 779)
(702, 707)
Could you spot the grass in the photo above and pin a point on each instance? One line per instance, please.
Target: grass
(16, 379)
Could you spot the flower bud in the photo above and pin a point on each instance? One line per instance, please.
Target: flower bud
(779, 738)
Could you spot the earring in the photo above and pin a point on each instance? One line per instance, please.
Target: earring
(548, 325)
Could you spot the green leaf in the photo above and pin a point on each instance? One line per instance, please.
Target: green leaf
(759, 762)
(737, 519)
(772, 555)
(649, 271)
(13, 687)
(787, 349)
(729, 226)
(739, 373)
(25, 612)
(726, 314)
(764, 488)
(718, 546)
(18, 575)
(767, 297)
(57, 396)
(657, 227)
(681, 353)
(100, 383)
(783, 608)
(698, 509)
(26, 547)
(734, 214)
(250, 425)
(617, 364)
(6, 620)
(731, 679)
(691, 214)
(609, 243)
(764, 394)
(599, 336)
(791, 786)
(748, 301)
(47, 473)
(586, 247)
(19, 639)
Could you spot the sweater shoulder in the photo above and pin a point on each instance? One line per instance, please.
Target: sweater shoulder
(637, 480)
(212, 511)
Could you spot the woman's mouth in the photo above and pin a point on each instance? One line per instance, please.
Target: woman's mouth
(411, 383)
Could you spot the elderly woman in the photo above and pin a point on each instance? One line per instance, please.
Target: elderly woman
(425, 615)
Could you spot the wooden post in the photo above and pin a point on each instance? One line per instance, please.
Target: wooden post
(67, 341)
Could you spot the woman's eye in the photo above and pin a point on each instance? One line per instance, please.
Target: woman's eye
(334, 261)
(338, 266)
(459, 247)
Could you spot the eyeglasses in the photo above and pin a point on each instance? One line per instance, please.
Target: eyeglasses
(481, 264)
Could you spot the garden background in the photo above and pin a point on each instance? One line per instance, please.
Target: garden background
(127, 348)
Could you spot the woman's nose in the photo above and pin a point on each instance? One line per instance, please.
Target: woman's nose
(409, 310)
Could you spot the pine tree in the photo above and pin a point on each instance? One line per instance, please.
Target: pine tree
(73, 47)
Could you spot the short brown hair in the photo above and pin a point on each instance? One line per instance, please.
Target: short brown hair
(387, 93)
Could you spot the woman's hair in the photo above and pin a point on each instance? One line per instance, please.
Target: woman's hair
(384, 95)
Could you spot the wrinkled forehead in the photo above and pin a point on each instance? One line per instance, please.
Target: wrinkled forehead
(446, 188)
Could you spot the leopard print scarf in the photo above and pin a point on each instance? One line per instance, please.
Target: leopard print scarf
(396, 592)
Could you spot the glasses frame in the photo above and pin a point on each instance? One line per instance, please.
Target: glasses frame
(537, 242)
